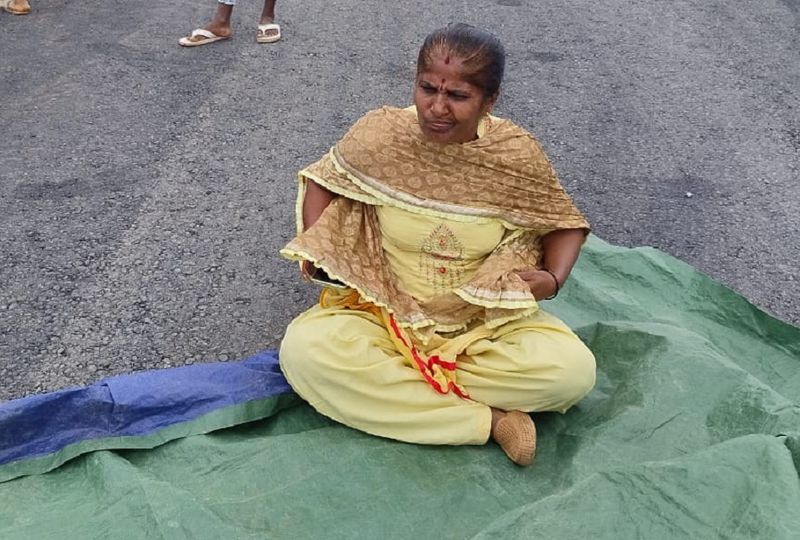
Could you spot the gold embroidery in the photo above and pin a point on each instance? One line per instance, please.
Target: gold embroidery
(441, 259)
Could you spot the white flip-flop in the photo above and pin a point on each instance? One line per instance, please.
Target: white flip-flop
(6, 5)
(209, 37)
(263, 37)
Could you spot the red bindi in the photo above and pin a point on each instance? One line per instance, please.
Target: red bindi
(446, 59)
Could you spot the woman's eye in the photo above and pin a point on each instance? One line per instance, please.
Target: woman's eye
(458, 97)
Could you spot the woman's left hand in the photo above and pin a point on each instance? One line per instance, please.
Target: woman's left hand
(561, 248)
(542, 283)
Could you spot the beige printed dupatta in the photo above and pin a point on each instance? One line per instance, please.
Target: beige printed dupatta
(384, 159)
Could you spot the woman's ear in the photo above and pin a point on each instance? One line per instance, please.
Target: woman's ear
(489, 103)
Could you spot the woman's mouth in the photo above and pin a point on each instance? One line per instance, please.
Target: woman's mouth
(439, 125)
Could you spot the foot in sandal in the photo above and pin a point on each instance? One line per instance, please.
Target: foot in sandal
(515, 432)
(200, 36)
(269, 32)
(16, 7)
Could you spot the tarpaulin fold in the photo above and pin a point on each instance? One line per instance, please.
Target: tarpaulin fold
(142, 410)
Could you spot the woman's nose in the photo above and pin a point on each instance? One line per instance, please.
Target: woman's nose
(439, 105)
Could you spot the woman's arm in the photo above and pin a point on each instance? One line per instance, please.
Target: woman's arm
(315, 202)
(560, 251)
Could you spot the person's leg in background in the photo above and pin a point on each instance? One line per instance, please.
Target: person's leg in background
(220, 26)
(268, 30)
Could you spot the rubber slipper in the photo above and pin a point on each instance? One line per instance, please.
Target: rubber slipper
(6, 5)
(263, 37)
(208, 37)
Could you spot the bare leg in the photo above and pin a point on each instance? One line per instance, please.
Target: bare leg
(220, 24)
(268, 35)
(268, 13)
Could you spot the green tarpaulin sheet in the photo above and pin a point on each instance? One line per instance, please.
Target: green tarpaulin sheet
(693, 431)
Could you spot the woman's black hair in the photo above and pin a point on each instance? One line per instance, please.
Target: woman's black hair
(481, 54)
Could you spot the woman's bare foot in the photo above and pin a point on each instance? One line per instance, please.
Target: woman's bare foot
(515, 432)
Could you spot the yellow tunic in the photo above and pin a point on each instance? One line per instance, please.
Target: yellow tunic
(349, 366)
(434, 256)
(386, 160)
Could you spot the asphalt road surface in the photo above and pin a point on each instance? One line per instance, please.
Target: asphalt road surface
(145, 189)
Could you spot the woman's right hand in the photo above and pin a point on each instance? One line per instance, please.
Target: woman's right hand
(307, 268)
(316, 200)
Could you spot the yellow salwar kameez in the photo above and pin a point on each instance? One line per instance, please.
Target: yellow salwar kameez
(433, 330)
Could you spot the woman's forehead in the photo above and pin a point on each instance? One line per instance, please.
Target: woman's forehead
(451, 73)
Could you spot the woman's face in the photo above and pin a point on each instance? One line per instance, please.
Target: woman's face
(448, 107)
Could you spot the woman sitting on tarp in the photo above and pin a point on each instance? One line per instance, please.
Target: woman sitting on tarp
(438, 229)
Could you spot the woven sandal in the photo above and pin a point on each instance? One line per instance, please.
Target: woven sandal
(516, 435)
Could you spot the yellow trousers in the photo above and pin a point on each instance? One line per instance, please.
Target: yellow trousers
(345, 365)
